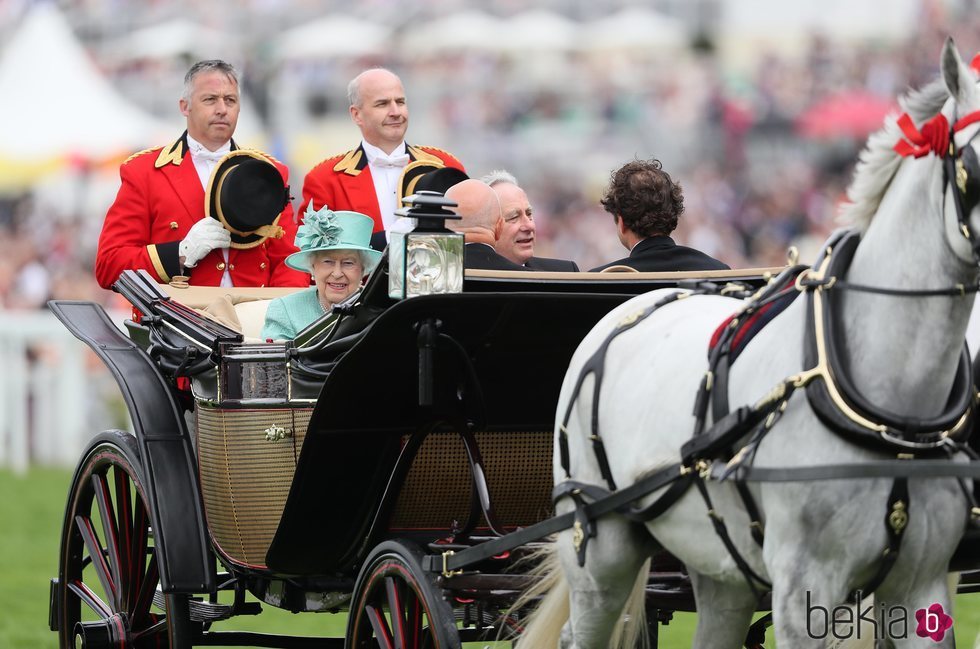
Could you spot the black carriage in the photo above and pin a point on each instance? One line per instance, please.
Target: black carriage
(341, 471)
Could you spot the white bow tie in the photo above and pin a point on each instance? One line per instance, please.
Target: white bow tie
(208, 156)
(392, 162)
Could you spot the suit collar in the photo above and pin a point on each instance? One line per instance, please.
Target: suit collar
(652, 243)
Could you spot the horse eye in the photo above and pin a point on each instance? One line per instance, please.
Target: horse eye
(971, 192)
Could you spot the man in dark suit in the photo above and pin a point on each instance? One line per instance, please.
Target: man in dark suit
(480, 223)
(517, 235)
(646, 205)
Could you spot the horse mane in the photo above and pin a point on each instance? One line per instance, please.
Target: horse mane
(879, 161)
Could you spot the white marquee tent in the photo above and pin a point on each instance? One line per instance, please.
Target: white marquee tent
(57, 104)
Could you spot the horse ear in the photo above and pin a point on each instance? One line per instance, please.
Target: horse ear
(959, 79)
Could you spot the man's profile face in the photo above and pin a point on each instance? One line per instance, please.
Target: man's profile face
(212, 111)
(516, 240)
(382, 114)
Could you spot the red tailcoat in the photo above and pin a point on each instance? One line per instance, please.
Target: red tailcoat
(160, 199)
(344, 182)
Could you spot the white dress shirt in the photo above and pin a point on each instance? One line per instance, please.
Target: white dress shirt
(385, 171)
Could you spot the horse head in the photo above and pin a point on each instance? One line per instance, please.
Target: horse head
(961, 163)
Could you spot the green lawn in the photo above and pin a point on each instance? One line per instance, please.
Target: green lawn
(32, 505)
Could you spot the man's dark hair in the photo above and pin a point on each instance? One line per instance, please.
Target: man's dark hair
(643, 195)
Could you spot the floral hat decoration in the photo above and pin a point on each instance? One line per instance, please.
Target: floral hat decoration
(324, 229)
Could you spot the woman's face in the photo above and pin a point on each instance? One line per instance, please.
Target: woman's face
(337, 274)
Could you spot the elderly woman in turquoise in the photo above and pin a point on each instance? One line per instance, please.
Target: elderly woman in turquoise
(334, 247)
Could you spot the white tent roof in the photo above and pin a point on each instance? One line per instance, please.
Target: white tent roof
(466, 30)
(333, 35)
(538, 29)
(172, 38)
(55, 101)
(634, 28)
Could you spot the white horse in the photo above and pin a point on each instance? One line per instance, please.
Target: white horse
(822, 539)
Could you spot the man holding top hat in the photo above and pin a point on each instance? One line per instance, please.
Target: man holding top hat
(201, 207)
(366, 179)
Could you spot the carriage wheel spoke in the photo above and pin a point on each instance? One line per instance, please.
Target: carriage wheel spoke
(97, 557)
(158, 627)
(110, 533)
(128, 573)
(140, 610)
(138, 566)
(92, 600)
(396, 611)
(378, 622)
(413, 617)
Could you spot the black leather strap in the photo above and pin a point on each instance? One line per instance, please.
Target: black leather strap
(918, 468)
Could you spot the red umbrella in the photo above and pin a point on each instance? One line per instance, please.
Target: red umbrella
(852, 113)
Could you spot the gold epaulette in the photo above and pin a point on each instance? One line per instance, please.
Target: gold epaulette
(139, 153)
(172, 155)
(421, 152)
(349, 162)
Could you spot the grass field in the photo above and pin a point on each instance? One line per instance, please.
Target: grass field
(31, 508)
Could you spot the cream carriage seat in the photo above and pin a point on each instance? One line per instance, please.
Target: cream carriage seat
(240, 308)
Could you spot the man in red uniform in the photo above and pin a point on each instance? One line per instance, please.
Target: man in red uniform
(157, 222)
(366, 179)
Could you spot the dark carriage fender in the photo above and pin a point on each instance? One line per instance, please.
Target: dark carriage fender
(167, 464)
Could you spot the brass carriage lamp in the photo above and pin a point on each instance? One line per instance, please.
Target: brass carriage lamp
(428, 259)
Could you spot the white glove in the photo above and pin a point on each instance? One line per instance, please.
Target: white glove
(203, 237)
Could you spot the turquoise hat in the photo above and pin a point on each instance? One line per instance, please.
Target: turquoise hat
(325, 229)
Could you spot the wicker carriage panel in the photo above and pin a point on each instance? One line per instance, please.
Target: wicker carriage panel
(245, 477)
(438, 487)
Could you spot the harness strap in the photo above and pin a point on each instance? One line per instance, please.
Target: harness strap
(835, 399)
(595, 366)
(752, 578)
(896, 520)
(918, 468)
(646, 485)
(585, 528)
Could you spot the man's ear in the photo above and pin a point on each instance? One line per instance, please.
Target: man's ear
(355, 115)
(498, 227)
(185, 107)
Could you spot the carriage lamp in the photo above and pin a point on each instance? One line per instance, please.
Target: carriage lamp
(428, 259)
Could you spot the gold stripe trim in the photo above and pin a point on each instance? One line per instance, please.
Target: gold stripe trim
(151, 250)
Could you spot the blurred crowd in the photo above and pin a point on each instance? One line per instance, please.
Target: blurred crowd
(755, 179)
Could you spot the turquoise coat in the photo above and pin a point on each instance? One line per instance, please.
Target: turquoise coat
(290, 314)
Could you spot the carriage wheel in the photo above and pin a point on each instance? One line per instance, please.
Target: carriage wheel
(108, 573)
(396, 604)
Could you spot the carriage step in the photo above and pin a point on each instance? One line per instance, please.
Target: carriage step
(202, 611)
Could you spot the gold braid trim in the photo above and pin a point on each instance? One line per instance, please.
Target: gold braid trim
(139, 153)
(424, 156)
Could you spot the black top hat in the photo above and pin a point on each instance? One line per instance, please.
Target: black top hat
(247, 194)
(427, 176)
